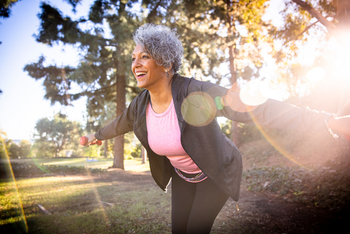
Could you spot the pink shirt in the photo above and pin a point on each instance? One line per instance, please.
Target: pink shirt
(164, 138)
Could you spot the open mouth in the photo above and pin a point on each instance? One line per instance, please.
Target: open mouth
(140, 74)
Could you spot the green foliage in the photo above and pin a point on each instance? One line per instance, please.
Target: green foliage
(104, 59)
(23, 150)
(55, 82)
(102, 74)
(92, 151)
(305, 23)
(55, 135)
(132, 147)
(211, 31)
(4, 148)
(5, 8)
(14, 151)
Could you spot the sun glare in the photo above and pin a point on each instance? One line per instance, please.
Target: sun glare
(316, 74)
(251, 93)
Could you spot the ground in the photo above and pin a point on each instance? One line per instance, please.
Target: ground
(264, 212)
(256, 212)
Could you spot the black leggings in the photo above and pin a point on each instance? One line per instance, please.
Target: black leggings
(195, 205)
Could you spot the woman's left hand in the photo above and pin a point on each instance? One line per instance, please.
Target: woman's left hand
(340, 125)
(234, 101)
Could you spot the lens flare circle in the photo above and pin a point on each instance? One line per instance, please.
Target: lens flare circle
(198, 109)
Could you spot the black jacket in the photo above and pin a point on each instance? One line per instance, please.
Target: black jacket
(197, 104)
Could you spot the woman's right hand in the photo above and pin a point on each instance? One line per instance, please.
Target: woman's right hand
(90, 139)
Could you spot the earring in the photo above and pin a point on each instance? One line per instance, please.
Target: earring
(167, 74)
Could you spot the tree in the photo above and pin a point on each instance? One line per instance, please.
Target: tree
(14, 150)
(302, 19)
(26, 147)
(3, 144)
(339, 9)
(21, 150)
(217, 33)
(5, 8)
(103, 71)
(246, 14)
(54, 135)
(325, 24)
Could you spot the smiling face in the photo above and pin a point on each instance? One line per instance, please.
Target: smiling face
(147, 72)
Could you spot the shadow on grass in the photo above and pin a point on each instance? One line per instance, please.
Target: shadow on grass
(13, 228)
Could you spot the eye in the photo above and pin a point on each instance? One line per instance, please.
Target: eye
(145, 56)
(133, 59)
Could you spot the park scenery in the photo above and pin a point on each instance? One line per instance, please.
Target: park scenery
(293, 181)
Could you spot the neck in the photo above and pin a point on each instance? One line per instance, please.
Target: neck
(161, 96)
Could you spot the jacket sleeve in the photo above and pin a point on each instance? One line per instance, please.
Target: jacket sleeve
(276, 114)
(121, 125)
(272, 113)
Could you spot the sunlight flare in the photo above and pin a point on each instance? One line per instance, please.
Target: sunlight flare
(316, 74)
(97, 196)
(279, 148)
(12, 176)
(251, 93)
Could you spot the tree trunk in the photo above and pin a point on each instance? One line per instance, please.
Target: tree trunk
(329, 25)
(118, 161)
(105, 150)
(143, 155)
(343, 14)
(234, 125)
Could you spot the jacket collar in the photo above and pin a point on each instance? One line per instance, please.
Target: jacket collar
(175, 92)
(179, 87)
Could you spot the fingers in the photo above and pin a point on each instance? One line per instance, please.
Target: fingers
(89, 140)
(340, 125)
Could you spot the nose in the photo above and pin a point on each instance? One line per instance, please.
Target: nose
(136, 63)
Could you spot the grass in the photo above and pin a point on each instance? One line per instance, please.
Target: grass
(79, 204)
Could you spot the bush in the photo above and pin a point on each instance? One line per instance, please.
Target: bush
(31, 169)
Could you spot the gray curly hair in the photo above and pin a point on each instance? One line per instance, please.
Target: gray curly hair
(161, 43)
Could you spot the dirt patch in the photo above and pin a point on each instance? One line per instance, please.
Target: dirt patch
(265, 213)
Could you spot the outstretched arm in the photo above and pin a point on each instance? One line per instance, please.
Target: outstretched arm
(122, 124)
(276, 114)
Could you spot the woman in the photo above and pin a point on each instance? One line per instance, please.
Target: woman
(174, 119)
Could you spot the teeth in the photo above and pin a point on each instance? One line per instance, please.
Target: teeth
(140, 73)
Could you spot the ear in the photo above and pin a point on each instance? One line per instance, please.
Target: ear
(167, 69)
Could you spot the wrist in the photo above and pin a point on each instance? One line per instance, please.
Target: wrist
(91, 137)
